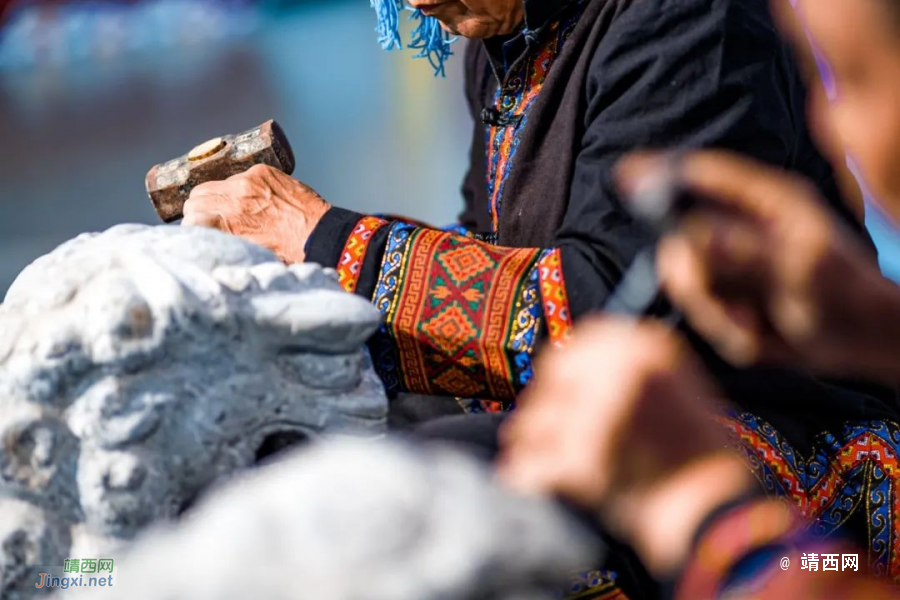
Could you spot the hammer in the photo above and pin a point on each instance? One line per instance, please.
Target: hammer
(169, 184)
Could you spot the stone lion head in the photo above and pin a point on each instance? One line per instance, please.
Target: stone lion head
(139, 365)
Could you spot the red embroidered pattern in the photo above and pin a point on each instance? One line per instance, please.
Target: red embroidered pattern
(492, 406)
(450, 306)
(354, 251)
(454, 297)
(554, 297)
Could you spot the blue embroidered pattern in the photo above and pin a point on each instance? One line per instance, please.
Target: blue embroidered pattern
(854, 470)
(384, 352)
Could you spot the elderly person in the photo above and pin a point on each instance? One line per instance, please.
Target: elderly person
(559, 91)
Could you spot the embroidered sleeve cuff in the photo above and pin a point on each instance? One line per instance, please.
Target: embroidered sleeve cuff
(328, 238)
(352, 244)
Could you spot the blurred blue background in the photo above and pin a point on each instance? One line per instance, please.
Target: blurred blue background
(92, 95)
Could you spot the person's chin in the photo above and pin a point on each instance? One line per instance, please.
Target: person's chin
(450, 28)
(470, 28)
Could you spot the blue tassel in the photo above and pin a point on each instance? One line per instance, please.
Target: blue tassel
(388, 27)
(431, 41)
(428, 38)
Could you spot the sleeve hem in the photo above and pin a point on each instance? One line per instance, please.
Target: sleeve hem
(327, 240)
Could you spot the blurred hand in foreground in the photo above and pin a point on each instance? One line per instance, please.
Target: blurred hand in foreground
(768, 276)
(620, 422)
(262, 205)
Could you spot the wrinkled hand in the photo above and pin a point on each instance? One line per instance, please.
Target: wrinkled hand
(620, 422)
(767, 275)
(262, 205)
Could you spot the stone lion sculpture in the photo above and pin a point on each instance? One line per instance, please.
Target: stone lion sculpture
(142, 364)
(353, 520)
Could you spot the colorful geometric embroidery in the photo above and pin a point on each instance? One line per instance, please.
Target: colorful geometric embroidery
(730, 539)
(529, 313)
(514, 98)
(457, 229)
(761, 550)
(554, 297)
(354, 252)
(855, 470)
(454, 228)
(594, 585)
(404, 219)
(480, 405)
(742, 549)
(453, 311)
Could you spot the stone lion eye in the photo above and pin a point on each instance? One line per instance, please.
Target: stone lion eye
(117, 310)
(137, 322)
(128, 320)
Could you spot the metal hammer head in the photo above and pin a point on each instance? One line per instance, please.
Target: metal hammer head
(170, 183)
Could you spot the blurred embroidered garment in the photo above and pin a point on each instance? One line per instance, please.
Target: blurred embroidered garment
(761, 549)
(848, 481)
(544, 238)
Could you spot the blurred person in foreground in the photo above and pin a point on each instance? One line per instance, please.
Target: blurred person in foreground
(763, 272)
(686, 503)
(770, 278)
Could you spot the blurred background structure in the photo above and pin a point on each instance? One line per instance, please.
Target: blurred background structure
(92, 94)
